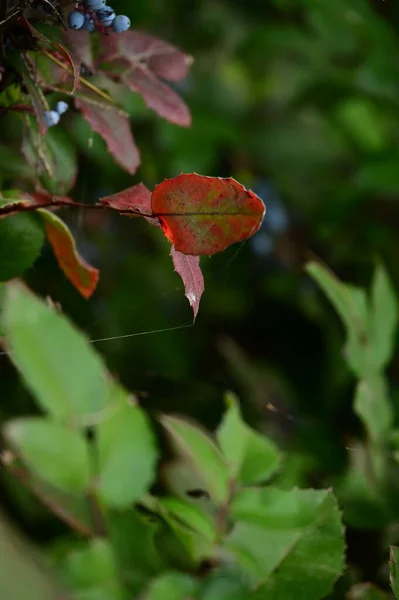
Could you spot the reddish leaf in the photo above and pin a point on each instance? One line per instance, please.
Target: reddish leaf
(114, 127)
(143, 50)
(135, 199)
(204, 215)
(79, 272)
(80, 43)
(74, 62)
(189, 269)
(158, 96)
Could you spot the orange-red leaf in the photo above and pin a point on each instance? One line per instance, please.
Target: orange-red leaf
(203, 215)
(135, 199)
(83, 276)
(114, 127)
(189, 269)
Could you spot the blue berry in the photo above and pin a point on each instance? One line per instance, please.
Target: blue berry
(89, 24)
(75, 20)
(95, 4)
(121, 23)
(61, 107)
(106, 16)
(52, 117)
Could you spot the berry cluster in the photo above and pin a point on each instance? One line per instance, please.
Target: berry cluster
(53, 116)
(93, 15)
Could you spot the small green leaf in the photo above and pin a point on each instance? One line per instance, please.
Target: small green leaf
(191, 516)
(172, 586)
(92, 572)
(58, 455)
(21, 241)
(191, 443)
(373, 407)
(251, 457)
(127, 455)
(393, 570)
(276, 509)
(62, 370)
(383, 318)
(366, 591)
(295, 564)
(350, 303)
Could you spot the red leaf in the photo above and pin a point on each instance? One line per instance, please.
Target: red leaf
(203, 215)
(189, 269)
(136, 199)
(83, 276)
(80, 43)
(138, 60)
(158, 96)
(114, 127)
(144, 50)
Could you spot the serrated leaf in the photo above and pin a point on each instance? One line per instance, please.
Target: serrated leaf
(204, 215)
(192, 444)
(61, 369)
(252, 458)
(393, 570)
(373, 407)
(158, 56)
(188, 267)
(226, 583)
(127, 455)
(172, 586)
(83, 276)
(114, 127)
(276, 509)
(383, 318)
(296, 564)
(159, 97)
(60, 456)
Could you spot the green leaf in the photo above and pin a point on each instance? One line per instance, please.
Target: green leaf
(296, 564)
(62, 370)
(93, 573)
(127, 454)
(58, 455)
(62, 156)
(351, 305)
(251, 457)
(225, 584)
(373, 407)
(276, 509)
(172, 586)
(21, 241)
(383, 318)
(207, 462)
(393, 570)
(366, 591)
(191, 516)
(132, 535)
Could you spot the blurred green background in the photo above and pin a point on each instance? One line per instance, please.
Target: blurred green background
(299, 101)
